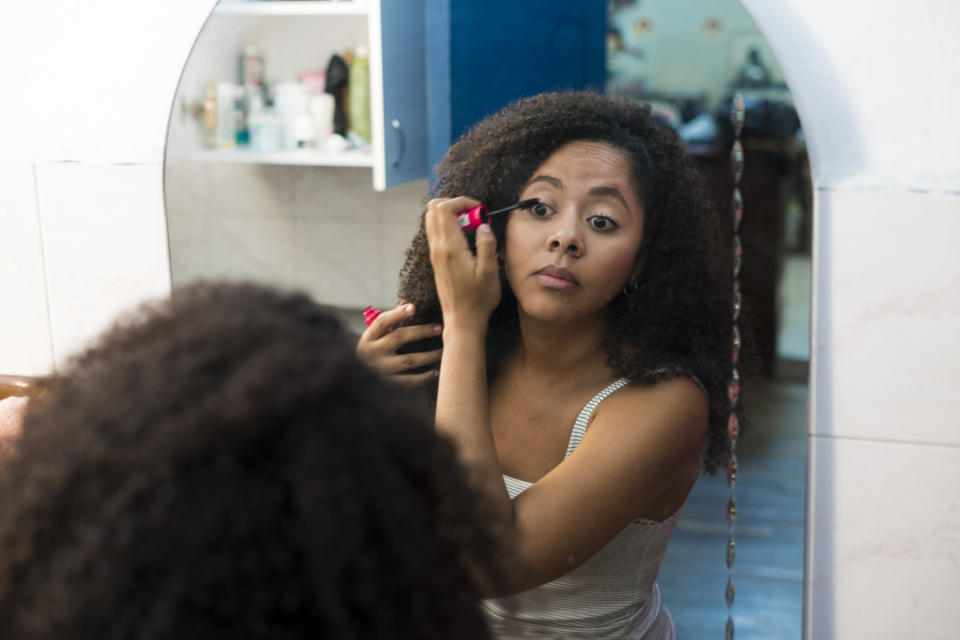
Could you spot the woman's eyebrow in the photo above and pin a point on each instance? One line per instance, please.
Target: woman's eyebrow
(556, 182)
(612, 192)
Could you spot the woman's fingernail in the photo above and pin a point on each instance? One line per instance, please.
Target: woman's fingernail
(438, 328)
(485, 228)
(408, 308)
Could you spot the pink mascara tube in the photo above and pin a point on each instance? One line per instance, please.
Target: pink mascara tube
(473, 218)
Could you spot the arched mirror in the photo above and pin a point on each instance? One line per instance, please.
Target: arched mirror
(300, 150)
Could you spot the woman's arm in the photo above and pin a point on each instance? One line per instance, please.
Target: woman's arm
(642, 449)
(468, 288)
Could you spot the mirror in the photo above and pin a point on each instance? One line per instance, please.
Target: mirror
(270, 195)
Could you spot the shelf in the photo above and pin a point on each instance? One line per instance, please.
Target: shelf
(301, 157)
(302, 8)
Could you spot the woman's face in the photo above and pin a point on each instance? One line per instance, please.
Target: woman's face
(567, 260)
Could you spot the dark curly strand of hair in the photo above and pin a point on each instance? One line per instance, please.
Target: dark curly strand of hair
(221, 466)
(679, 319)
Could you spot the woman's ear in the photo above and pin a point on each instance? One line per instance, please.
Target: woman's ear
(638, 266)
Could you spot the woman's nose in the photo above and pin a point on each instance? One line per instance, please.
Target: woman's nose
(566, 236)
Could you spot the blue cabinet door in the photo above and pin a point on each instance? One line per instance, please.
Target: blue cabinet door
(483, 54)
(402, 37)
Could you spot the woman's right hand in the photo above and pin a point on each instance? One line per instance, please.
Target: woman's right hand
(379, 343)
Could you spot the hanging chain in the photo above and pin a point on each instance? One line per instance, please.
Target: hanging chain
(737, 115)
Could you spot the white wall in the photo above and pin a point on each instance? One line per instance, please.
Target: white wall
(875, 85)
(88, 87)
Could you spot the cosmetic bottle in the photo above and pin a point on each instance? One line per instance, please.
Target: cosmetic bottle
(226, 138)
(360, 93)
(210, 117)
(266, 131)
(251, 66)
(290, 101)
(305, 132)
(321, 108)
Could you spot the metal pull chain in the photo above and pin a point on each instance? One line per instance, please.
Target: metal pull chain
(737, 116)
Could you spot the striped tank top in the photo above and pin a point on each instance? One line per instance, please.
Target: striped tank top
(614, 594)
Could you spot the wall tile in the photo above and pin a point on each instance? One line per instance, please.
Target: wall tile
(255, 248)
(25, 347)
(883, 526)
(338, 263)
(342, 194)
(887, 345)
(246, 190)
(186, 188)
(404, 203)
(105, 245)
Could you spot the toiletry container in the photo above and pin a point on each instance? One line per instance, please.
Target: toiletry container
(210, 117)
(251, 66)
(321, 108)
(226, 137)
(360, 93)
(290, 102)
(266, 131)
(305, 132)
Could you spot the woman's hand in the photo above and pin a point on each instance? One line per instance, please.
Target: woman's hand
(379, 343)
(467, 285)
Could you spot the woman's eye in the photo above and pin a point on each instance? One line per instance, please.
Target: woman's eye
(601, 223)
(540, 209)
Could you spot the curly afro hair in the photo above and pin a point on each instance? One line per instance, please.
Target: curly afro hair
(679, 319)
(220, 465)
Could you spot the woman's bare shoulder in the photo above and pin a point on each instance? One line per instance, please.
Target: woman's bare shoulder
(676, 405)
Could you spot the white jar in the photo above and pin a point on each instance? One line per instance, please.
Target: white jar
(290, 101)
(321, 108)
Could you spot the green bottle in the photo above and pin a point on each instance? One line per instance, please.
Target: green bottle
(360, 93)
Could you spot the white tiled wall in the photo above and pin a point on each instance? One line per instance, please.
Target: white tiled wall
(104, 242)
(320, 229)
(884, 521)
(889, 316)
(24, 322)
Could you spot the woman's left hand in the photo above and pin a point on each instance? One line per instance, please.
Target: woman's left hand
(468, 286)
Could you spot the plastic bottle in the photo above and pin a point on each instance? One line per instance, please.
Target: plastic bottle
(321, 108)
(305, 132)
(210, 117)
(290, 102)
(226, 137)
(360, 93)
(266, 131)
(251, 66)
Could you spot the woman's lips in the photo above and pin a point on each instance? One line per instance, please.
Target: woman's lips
(556, 278)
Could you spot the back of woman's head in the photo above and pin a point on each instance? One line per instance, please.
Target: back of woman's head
(220, 465)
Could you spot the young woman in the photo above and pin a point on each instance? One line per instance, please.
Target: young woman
(585, 351)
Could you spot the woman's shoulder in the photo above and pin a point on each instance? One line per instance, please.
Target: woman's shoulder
(662, 408)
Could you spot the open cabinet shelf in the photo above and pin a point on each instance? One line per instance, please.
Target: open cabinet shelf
(294, 157)
(303, 8)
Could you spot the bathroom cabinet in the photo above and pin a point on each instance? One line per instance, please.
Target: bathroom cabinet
(301, 36)
(436, 66)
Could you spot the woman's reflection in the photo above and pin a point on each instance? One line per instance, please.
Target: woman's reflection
(585, 351)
